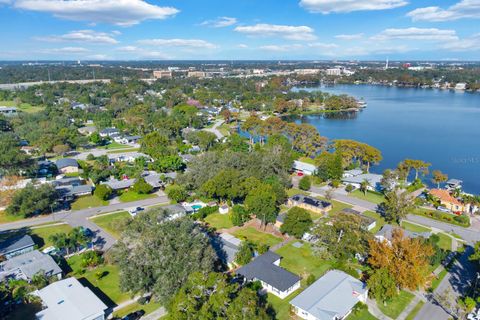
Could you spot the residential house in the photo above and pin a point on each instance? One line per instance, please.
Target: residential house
(385, 234)
(309, 203)
(16, 245)
(70, 192)
(118, 185)
(454, 184)
(128, 139)
(28, 264)
(108, 132)
(372, 179)
(67, 165)
(447, 200)
(223, 209)
(304, 168)
(162, 74)
(226, 247)
(274, 279)
(332, 297)
(367, 222)
(126, 157)
(8, 111)
(69, 299)
(87, 131)
(352, 173)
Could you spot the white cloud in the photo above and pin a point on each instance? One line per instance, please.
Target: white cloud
(242, 46)
(342, 6)
(118, 12)
(128, 49)
(282, 48)
(185, 43)
(220, 22)
(142, 53)
(471, 43)
(355, 36)
(89, 36)
(429, 34)
(302, 33)
(66, 50)
(463, 9)
(319, 45)
(98, 56)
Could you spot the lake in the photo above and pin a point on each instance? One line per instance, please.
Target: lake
(438, 126)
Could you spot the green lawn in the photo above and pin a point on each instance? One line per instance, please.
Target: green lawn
(380, 220)
(123, 150)
(294, 191)
(41, 234)
(371, 196)
(282, 307)
(307, 160)
(130, 196)
(415, 311)
(301, 261)
(414, 227)
(396, 305)
(88, 202)
(361, 314)
(445, 241)
(438, 279)
(5, 218)
(148, 308)
(257, 237)
(113, 223)
(219, 221)
(25, 107)
(116, 145)
(438, 215)
(108, 285)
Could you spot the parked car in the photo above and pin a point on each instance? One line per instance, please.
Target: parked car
(443, 209)
(134, 315)
(133, 212)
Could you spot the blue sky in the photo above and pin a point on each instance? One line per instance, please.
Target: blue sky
(239, 29)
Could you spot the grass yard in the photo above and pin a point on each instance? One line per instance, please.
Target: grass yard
(41, 234)
(88, 202)
(130, 196)
(445, 241)
(396, 305)
(219, 221)
(253, 235)
(361, 314)
(307, 160)
(415, 311)
(112, 223)
(25, 107)
(282, 307)
(294, 191)
(123, 150)
(414, 227)
(148, 308)
(107, 288)
(436, 282)
(380, 220)
(116, 145)
(301, 261)
(371, 196)
(5, 218)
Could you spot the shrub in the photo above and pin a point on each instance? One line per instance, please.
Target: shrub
(349, 188)
(90, 157)
(305, 183)
(177, 193)
(103, 192)
(142, 300)
(91, 259)
(142, 187)
(262, 248)
(204, 212)
(335, 183)
(463, 219)
(310, 279)
(239, 216)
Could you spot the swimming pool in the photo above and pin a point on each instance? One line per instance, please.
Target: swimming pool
(197, 207)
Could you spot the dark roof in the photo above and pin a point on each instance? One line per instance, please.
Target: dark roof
(109, 130)
(66, 162)
(311, 201)
(15, 243)
(262, 268)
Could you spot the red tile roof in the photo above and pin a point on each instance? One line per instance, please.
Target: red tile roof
(445, 196)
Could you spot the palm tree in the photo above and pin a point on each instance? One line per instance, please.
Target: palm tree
(364, 186)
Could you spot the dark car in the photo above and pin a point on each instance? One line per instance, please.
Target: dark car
(134, 315)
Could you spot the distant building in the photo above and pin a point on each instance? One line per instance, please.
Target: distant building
(307, 71)
(87, 130)
(108, 132)
(196, 74)
(332, 297)
(128, 139)
(69, 299)
(26, 265)
(162, 74)
(309, 203)
(274, 279)
(8, 111)
(126, 157)
(334, 72)
(16, 245)
(304, 168)
(454, 184)
(461, 86)
(67, 165)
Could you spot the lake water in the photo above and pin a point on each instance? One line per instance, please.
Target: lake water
(438, 126)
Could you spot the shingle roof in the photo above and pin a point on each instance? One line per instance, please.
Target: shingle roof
(373, 179)
(66, 162)
(387, 231)
(262, 268)
(303, 166)
(333, 295)
(311, 201)
(226, 247)
(119, 184)
(15, 243)
(31, 263)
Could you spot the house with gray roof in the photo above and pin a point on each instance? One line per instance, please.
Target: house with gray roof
(16, 245)
(67, 165)
(26, 265)
(331, 297)
(373, 181)
(226, 246)
(274, 279)
(385, 234)
(303, 167)
(69, 299)
(119, 184)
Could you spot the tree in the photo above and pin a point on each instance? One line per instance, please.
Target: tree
(176, 193)
(96, 138)
(354, 151)
(155, 145)
(396, 206)
(31, 200)
(142, 187)
(261, 202)
(297, 222)
(12, 159)
(389, 180)
(329, 165)
(405, 259)
(343, 238)
(382, 285)
(239, 215)
(420, 167)
(364, 186)
(244, 254)
(439, 177)
(305, 183)
(103, 192)
(157, 254)
(61, 149)
(214, 296)
(91, 259)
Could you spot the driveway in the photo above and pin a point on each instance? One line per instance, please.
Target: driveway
(215, 130)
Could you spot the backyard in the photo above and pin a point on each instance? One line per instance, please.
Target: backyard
(40, 234)
(219, 221)
(394, 307)
(255, 236)
(25, 107)
(113, 223)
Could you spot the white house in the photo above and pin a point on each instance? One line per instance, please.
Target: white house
(69, 299)
(303, 167)
(27, 265)
(331, 297)
(373, 181)
(274, 279)
(223, 209)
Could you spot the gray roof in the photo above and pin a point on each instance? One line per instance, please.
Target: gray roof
(303, 166)
(387, 230)
(333, 295)
(262, 268)
(15, 243)
(455, 182)
(373, 179)
(353, 172)
(29, 264)
(66, 162)
(226, 247)
(67, 181)
(119, 184)
(281, 217)
(69, 299)
(300, 198)
(74, 190)
(365, 219)
(109, 131)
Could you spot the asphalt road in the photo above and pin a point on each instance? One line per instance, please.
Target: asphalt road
(101, 152)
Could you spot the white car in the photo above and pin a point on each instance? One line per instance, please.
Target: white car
(133, 212)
